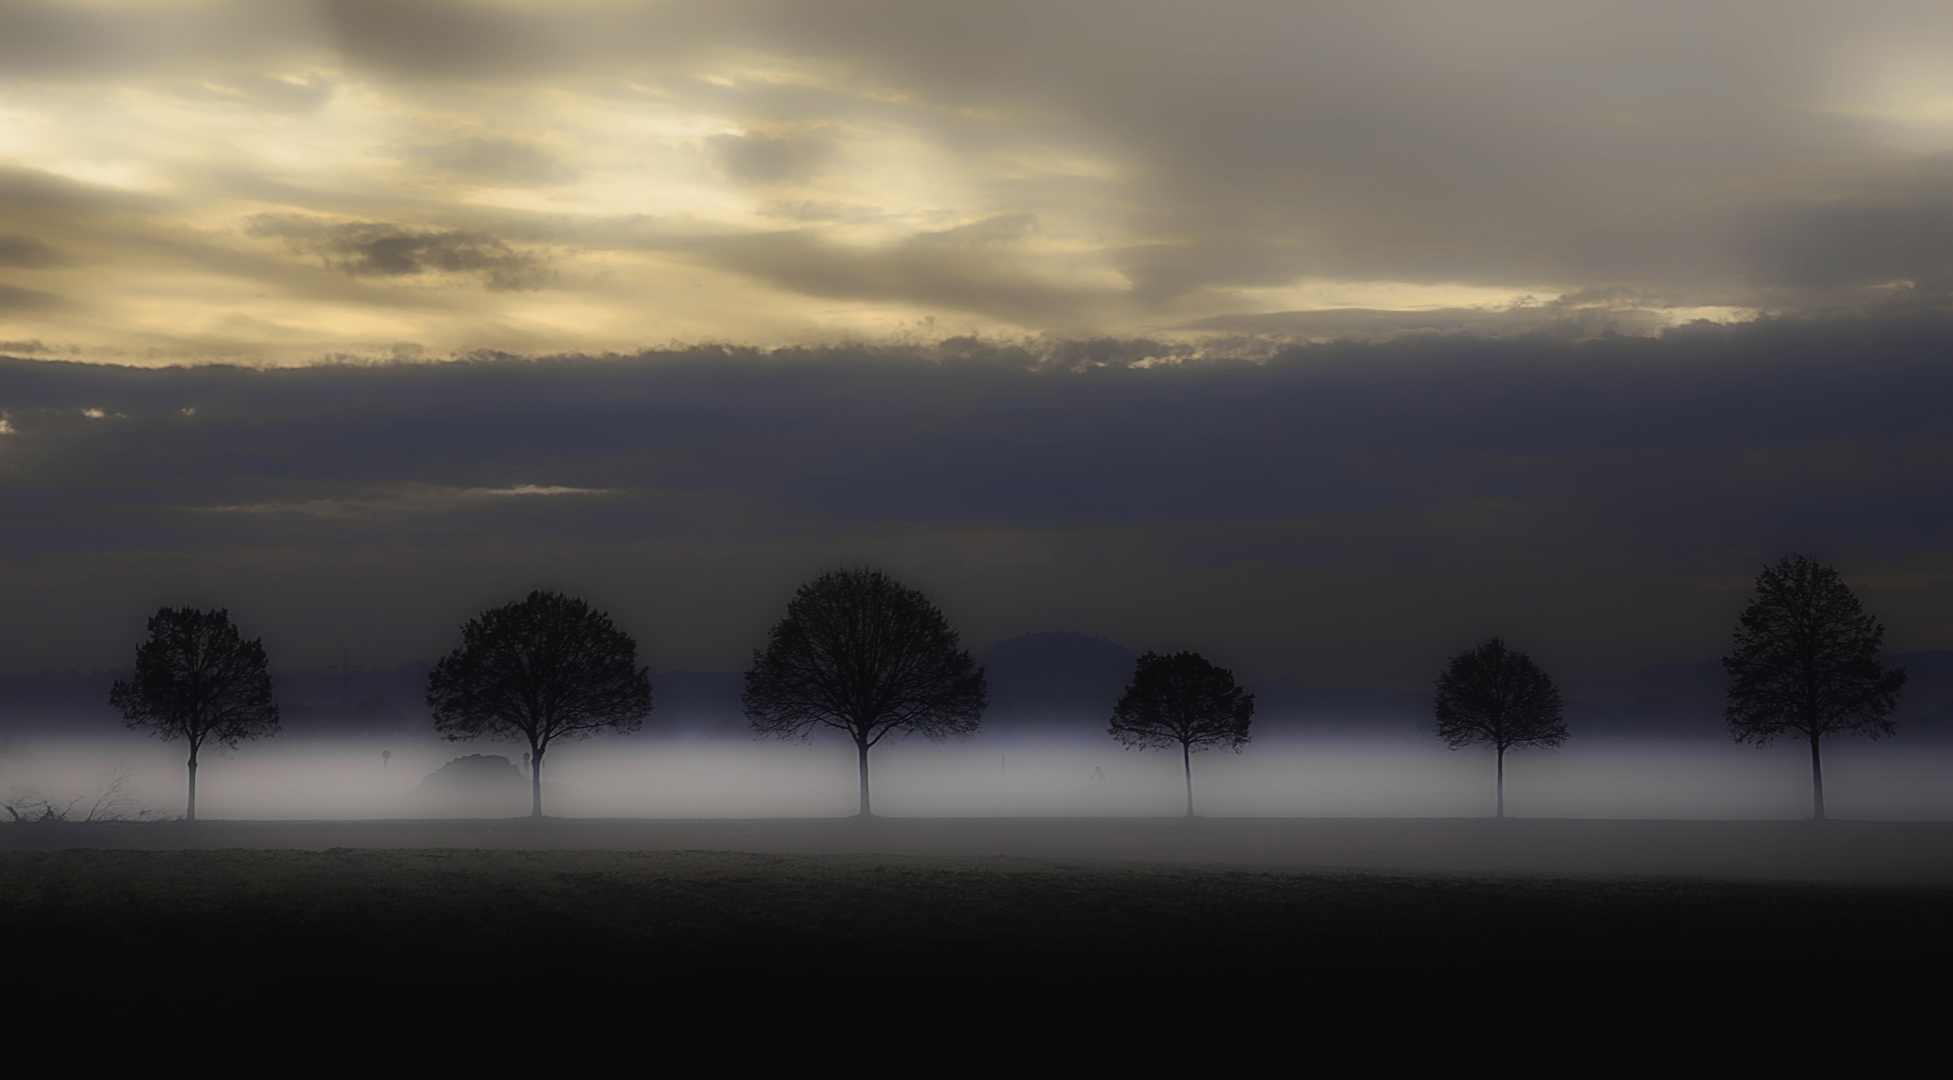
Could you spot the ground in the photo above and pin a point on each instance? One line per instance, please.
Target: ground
(615, 921)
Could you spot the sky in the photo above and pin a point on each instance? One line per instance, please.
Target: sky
(277, 181)
(1325, 338)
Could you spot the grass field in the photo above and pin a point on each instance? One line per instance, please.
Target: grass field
(411, 935)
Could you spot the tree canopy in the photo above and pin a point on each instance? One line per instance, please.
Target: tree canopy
(1182, 700)
(543, 668)
(1806, 663)
(1493, 695)
(196, 679)
(862, 653)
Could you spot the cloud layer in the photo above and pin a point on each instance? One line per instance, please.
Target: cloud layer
(285, 181)
(1323, 337)
(1343, 513)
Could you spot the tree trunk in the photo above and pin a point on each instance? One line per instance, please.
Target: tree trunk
(1186, 761)
(862, 747)
(191, 813)
(535, 780)
(1817, 784)
(1501, 812)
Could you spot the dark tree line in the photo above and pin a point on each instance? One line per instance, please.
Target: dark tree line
(1806, 665)
(861, 653)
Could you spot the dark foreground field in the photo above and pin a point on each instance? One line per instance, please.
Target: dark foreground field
(1860, 852)
(414, 935)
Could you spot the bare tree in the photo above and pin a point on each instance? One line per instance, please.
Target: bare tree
(1806, 663)
(860, 652)
(1493, 695)
(1182, 700)
(196, 679)
(543, 668)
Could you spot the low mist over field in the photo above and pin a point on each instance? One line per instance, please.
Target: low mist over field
(1650, 746)
(1012, 777)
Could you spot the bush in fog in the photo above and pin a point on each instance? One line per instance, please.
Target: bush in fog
(1182, 700)
(540, 669)
(1494, 696)
(475, 773)
(111, 803)
(861, 653)
(1806, 664)
(196, 679)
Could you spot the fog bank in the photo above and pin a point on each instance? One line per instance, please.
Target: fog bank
(1026, 776)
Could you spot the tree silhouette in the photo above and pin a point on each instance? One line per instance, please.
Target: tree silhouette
(1491, 694)
(1182, 700)
(860, 652)
(1806, 663)
(197, 680)
(543, 668)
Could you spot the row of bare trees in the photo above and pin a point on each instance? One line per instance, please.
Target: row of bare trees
(861, 653)
(1806, 666)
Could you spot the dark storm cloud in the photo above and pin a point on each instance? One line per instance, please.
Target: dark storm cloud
(1711, 426)
(1400, 492)
(378, 249)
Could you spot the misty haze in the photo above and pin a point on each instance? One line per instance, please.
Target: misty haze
(1028, 776)
(356, 745)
